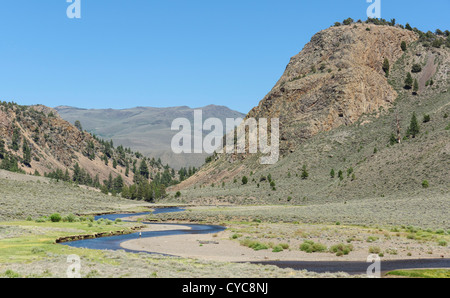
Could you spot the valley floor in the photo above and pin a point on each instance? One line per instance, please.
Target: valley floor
(283, 241)
(404, 228)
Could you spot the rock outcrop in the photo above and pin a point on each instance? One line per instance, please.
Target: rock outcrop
(335, 79)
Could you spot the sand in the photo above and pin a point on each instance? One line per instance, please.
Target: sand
(219, 247)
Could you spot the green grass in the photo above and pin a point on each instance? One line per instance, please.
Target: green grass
(422, 273)
(37, 240)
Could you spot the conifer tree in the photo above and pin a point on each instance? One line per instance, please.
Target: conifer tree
(143, 169)
(386, 67)
(413, 129)
(415, 86)
(408, 81)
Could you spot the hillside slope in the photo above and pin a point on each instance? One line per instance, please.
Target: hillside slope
(35, 140)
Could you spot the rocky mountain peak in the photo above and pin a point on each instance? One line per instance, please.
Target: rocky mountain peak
(335, 79)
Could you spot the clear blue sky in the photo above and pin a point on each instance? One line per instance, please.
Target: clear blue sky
(127, 53)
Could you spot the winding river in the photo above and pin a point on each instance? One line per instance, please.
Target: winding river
(113, 242)
(350, 267)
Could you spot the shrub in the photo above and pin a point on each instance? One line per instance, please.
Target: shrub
(341, 249)
(425, 184)
(178, 194)
(374, 250)
(255, 245)
(36, 250)
(403, 46)
(277, 248)
(372, 239)
(70, 218)
(304, 173)
(442, 243)
(341, 175)
(348, 21)
(284, 245)
(235, 236)
(426, 118)
(55, 217)
(244, 180)
(11, 274)
(310, 247)
(416, 68)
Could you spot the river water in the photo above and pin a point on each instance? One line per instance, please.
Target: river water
(113, 243)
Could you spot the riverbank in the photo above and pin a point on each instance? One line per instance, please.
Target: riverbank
(283, 242)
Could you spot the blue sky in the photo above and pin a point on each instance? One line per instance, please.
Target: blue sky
(128, 53)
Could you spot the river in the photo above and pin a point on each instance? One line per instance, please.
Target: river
(350, 267)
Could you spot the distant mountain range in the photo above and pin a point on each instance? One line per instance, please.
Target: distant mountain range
(144, 129)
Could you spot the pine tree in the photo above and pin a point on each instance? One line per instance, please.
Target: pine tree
(244, 180)
(15, 139)
(77, 177)
(2, 149)
(118, 183)
(125, 192)
(109, 183)
(143, 169)
(413, 129)
(392, 139)
(66, 176)
(408, 81)
(415, 86)
(403, 46)
(386, 67)
(78, 125)
(26, 153)
(332, 173)
(96, 182)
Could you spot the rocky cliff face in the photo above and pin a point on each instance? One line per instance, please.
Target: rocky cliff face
(334, 80)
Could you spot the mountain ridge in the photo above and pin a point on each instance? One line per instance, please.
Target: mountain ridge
(327, 125)
(146, 129)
